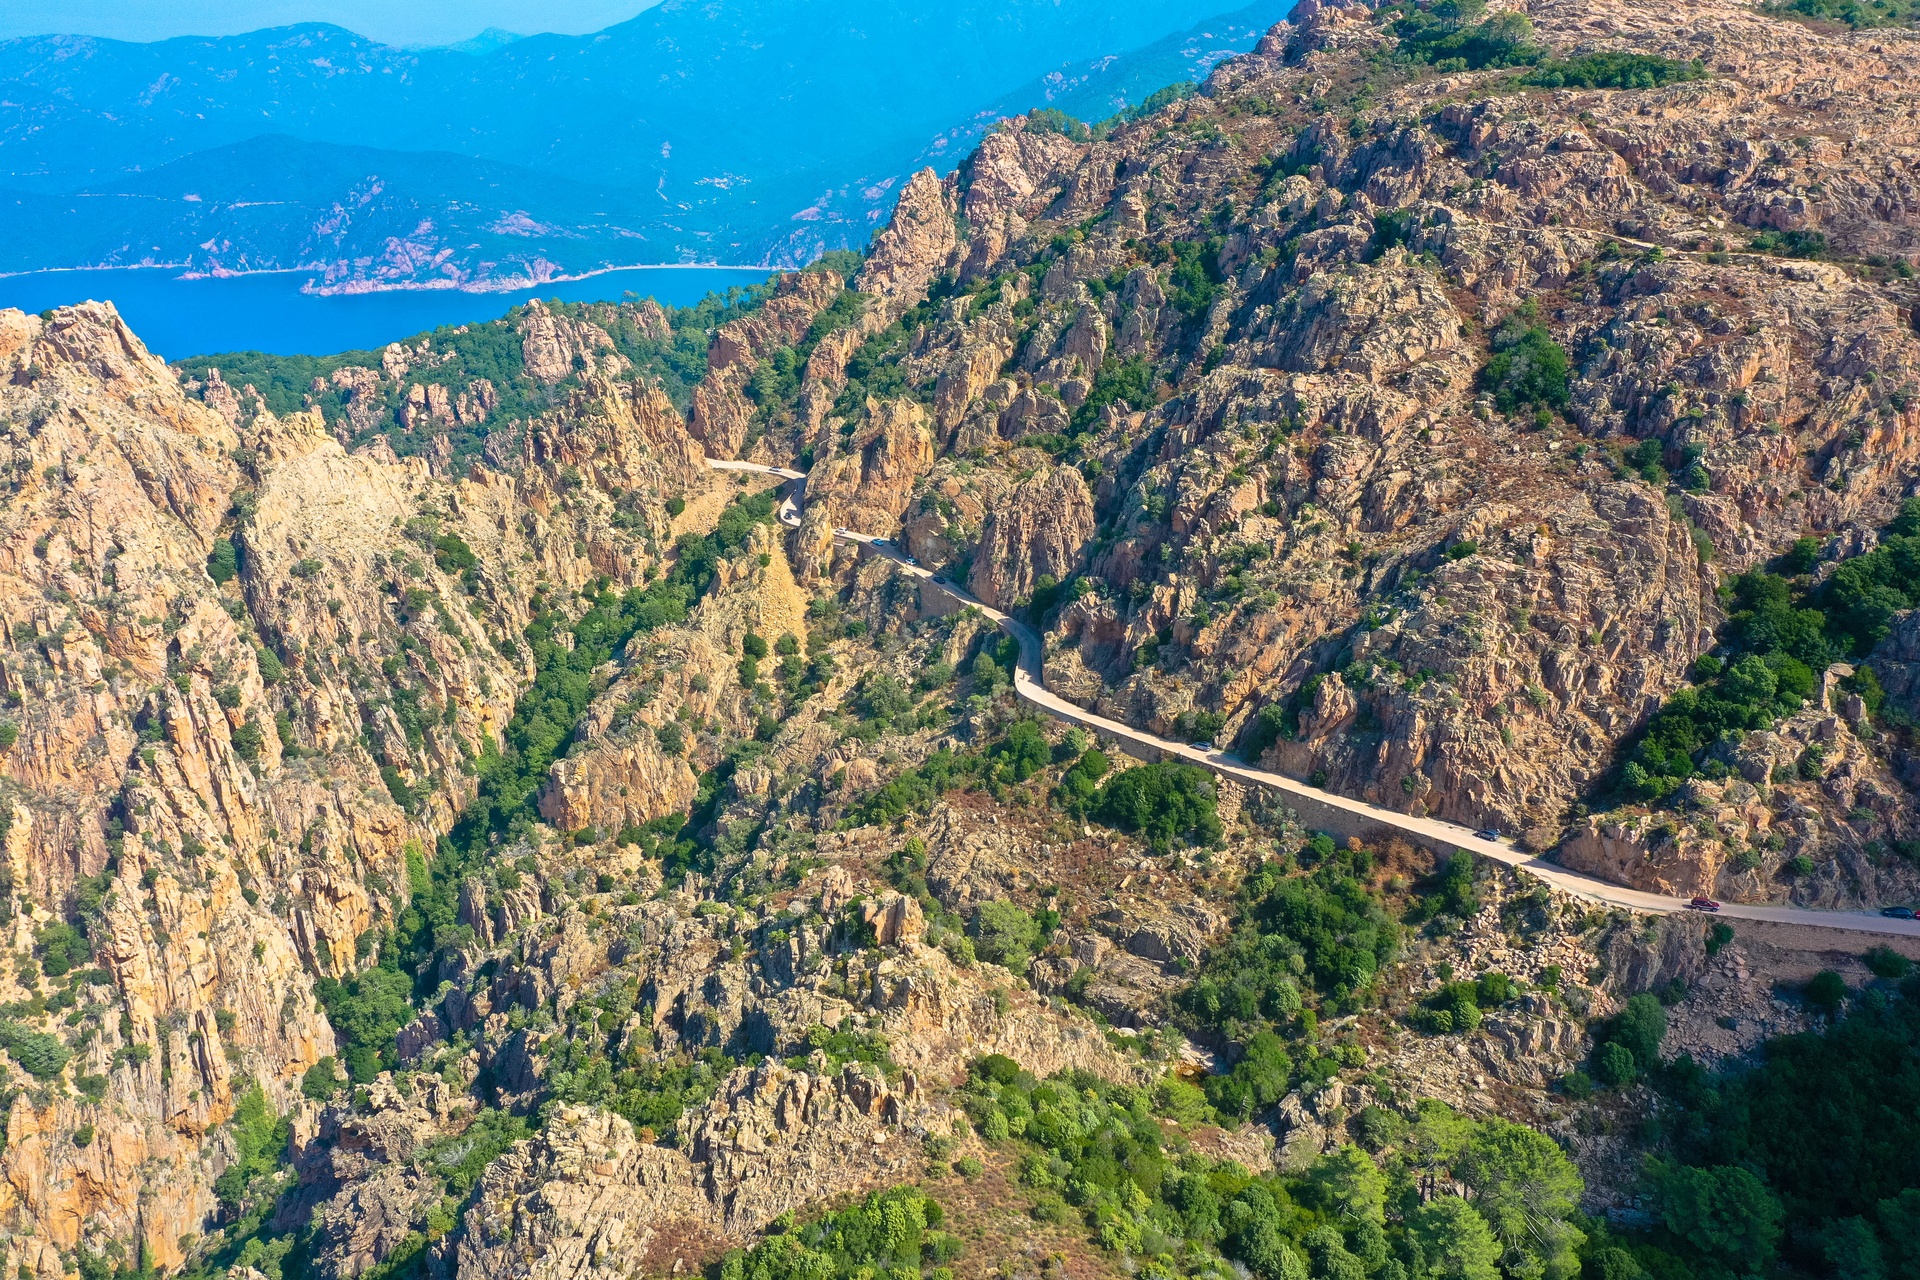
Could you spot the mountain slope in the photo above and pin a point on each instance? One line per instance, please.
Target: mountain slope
(353, 216)
(592, 873)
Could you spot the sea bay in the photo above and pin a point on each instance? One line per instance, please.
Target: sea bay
(178, 317)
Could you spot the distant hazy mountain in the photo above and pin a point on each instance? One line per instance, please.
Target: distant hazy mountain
(486, 42)
(730, 130)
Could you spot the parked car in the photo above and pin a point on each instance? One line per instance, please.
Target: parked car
(1488, 834)
(910, 560)
(1898, 913)
(1703, 904)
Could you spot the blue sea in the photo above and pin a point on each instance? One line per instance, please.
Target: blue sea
(178, 318)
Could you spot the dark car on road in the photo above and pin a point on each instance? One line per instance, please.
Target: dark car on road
(1703, 904)
(1898, 913)
(1488, 834)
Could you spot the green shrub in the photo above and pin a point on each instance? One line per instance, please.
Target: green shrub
(1141, 1190)
(1527, 369)
(1640, 1025)
(224, 564)
(1130, 381)
(1790, 244)
(1885, 962)
(39, 1054)
(1004, 934)
(1446, 38)
(367, 1010)
(61, 947)
(1723, 1212)
(1259, 1079)
(1826, 991)
(1195, 280)
(322, 1080)
(1161, 802)
(1614, 1065)
(1023, 753)
(1859, 14)
(1309, 940)
(1054, 120)
(452, 554)
(1611, 70)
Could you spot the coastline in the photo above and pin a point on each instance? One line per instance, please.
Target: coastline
(362, 288)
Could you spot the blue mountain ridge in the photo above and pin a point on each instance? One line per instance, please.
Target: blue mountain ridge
(729, 130)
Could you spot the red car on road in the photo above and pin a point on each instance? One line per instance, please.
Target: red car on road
(1703, 904)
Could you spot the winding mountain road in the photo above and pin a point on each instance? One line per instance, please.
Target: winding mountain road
(1030, 687)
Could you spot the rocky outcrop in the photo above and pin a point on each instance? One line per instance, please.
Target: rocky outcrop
(721, 413)
(1041, 531)
(914, 247)
(553, 347)
(867, 482)
(589, 1193)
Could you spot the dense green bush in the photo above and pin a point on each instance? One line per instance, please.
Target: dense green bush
(39, 1054)
(367, 1010)
(1825, 991)
(1457, 1006)
(1724, 1212)
(1613, 71)
(1115, 381)
(1261, 1077)
(1161, 802)
(1089, 1149)
(224, 564)
(259, 1139)
(61, 948)
(1024, 752)
(1195, 280)
(1812, 1147)
(1004, 934)
(1858, 14)
(892, 1233)
(1447, 38)
(1527, 369)
(1054, 120)
(1862, 595)
(1305, 942)
(1080, 784)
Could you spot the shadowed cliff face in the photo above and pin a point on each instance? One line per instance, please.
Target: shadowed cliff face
(1255, 402)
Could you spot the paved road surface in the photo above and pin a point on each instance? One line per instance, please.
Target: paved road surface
(1029, 686)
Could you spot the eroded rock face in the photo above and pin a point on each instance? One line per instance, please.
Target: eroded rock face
(554, 347)
(914, 246)
(1040, 532)
(238, 766)
(865, 485)
(1334, 486)
(721, 413)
